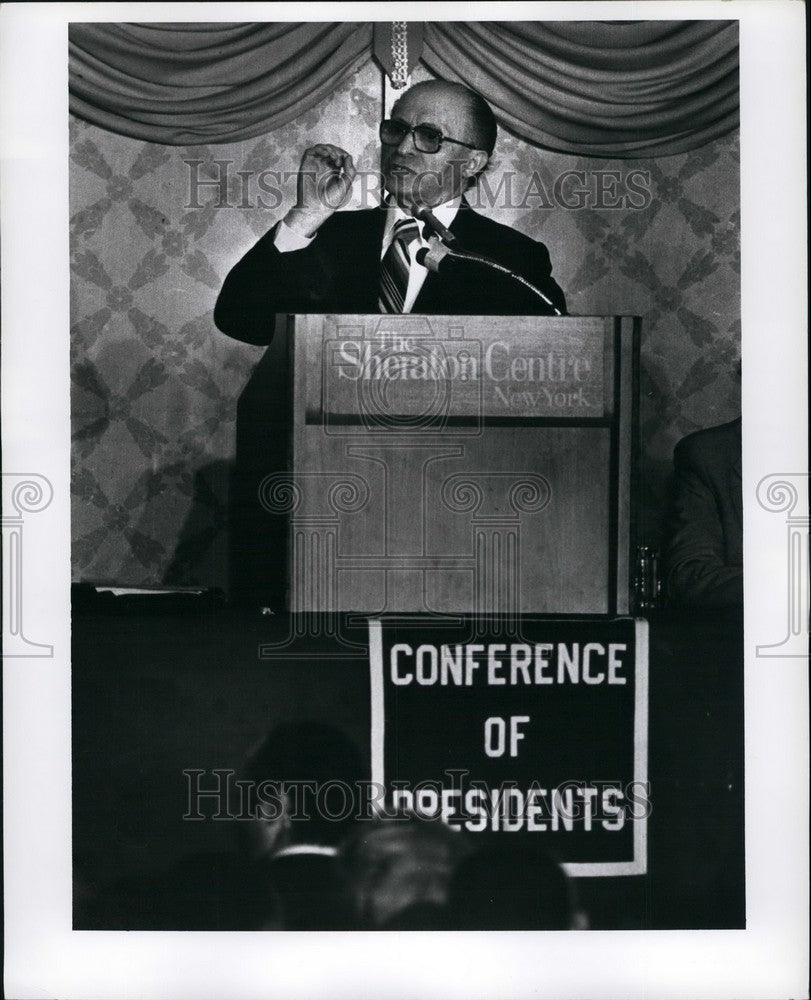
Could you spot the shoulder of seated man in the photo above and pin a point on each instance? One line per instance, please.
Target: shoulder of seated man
(710, 443)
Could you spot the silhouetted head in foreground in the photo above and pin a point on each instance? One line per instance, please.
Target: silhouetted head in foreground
(304, 784)
(399, 869)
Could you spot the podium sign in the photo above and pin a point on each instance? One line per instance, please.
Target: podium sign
(503, 371)
(459, 464)
(537, 733)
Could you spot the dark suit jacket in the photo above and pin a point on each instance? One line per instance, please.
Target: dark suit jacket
(339, 273)
(705, 553)
(312, 893)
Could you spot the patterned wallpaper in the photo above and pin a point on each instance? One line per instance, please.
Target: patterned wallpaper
(155, 386)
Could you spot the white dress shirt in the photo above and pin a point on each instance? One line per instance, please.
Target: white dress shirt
(286, 240)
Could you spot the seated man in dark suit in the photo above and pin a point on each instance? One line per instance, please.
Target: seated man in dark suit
(316, 260)
(305, 780)
(705, 551)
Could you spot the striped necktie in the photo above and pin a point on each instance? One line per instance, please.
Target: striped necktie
(395, 267)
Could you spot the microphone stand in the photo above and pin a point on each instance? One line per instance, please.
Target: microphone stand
(444, 244)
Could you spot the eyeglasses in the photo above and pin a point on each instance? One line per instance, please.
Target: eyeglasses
(427, 139)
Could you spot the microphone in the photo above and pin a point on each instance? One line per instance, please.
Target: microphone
(427, 216)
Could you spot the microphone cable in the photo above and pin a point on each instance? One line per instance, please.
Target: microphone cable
(432, 256)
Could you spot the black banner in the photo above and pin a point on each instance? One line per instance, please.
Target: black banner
(533, 729)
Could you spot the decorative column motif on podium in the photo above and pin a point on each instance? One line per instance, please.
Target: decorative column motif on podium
(787, 493)
(315, 503)
(402, 558)
(403, 568)
(495, 502)
(23, 493)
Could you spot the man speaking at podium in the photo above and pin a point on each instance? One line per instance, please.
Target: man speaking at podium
(316, 260)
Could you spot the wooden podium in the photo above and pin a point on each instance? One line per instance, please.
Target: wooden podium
(459, 464)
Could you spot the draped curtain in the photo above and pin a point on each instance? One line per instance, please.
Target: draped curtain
(180, 84)
(598, 88)
(610, 89)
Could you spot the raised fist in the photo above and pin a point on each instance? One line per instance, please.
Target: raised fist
(324, 185)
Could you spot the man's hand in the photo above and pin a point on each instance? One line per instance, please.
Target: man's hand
(324, 185)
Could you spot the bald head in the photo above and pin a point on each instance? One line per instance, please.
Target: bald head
(467, 129)
(481, 122)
